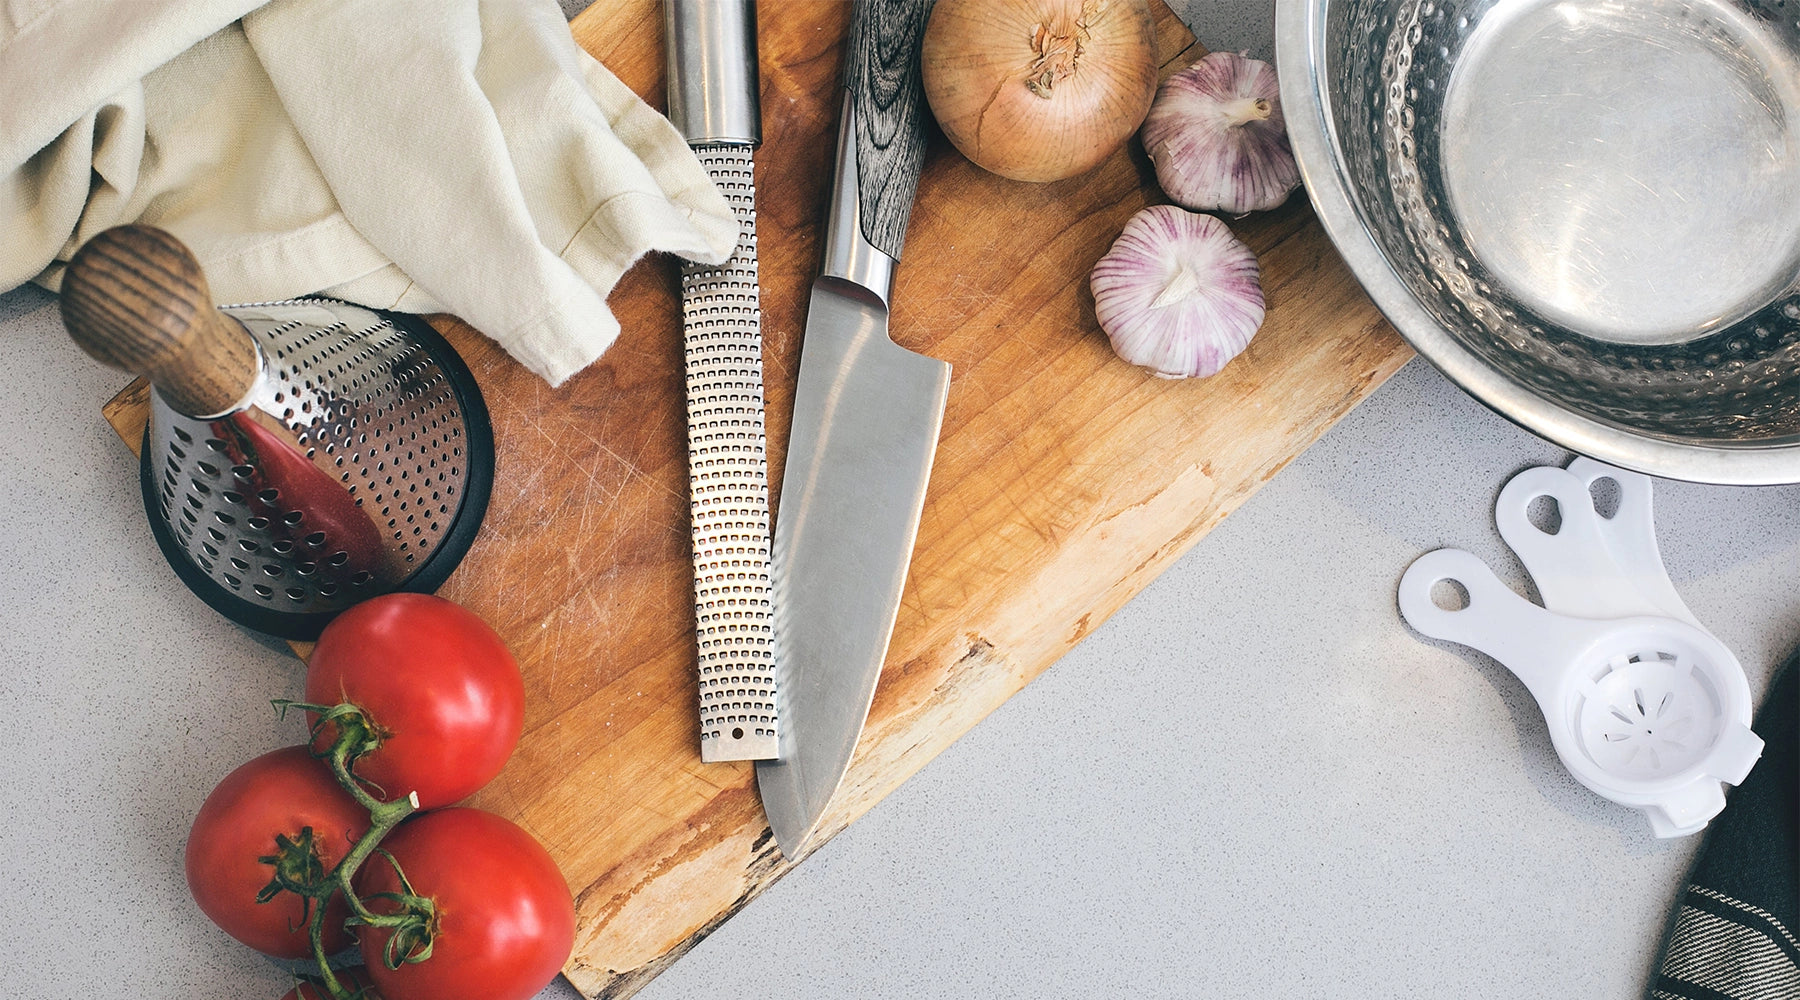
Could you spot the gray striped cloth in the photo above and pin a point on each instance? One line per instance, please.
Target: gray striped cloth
(1733, 934)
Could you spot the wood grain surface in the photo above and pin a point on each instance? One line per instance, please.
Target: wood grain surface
(1065, 481)
(882, 51)
(133, 298)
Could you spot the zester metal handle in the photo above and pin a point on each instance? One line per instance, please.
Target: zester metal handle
(881, 143)
(711, 53)
(134, 298)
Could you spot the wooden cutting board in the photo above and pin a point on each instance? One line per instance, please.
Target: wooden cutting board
(1065, 481)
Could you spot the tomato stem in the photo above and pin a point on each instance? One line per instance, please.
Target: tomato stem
(413, 927)
(355, 736)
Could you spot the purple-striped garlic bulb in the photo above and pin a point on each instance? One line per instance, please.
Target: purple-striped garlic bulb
(1177, 293)
(1217, 138)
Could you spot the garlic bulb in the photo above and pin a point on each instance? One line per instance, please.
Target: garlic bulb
(1177, 293)
(1217, 138)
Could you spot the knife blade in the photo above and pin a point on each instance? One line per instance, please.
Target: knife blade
(867, 413)
(713, 81)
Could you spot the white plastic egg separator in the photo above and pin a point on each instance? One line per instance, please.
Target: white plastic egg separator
(1591, 565)
(1643, 705)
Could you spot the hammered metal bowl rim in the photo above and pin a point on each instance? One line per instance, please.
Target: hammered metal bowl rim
(1301, 60)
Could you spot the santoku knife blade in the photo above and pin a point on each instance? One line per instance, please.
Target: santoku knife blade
(867, 413)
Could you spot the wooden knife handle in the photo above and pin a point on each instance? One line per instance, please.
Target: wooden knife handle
(134, 298)
(882, 75)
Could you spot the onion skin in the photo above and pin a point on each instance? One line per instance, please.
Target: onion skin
(1039, 90)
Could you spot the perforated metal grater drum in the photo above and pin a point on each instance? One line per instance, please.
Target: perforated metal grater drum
(301, 456)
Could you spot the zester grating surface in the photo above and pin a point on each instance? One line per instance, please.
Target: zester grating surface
(729, 483)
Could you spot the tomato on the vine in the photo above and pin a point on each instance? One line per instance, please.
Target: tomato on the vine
(436, 683)
(503, 921)
(278, 796)
(352, 979)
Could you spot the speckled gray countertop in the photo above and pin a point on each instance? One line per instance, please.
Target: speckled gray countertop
(1252, 782)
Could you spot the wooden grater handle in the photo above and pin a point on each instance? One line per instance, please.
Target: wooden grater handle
(134, 298)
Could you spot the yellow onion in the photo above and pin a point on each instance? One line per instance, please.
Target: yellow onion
(1039, 90)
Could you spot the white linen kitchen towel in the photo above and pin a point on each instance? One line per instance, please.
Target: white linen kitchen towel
(460, 156)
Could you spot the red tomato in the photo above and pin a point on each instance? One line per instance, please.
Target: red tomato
(436, 680)
(505, 922)
(279, 793)
(350, 978)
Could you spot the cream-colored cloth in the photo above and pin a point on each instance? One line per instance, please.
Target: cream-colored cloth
(460, 156)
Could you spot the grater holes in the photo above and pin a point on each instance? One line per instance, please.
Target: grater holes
(395, 415)
(263, 590)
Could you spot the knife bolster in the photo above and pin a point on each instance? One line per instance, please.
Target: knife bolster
(848, 254)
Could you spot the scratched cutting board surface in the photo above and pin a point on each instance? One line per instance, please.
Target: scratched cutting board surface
(1065, 481)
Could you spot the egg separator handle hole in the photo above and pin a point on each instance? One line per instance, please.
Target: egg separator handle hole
(1529, 641)
(1572, 565)
(1628, 526)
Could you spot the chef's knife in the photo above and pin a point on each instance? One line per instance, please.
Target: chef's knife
(711, 49)
(866, 418)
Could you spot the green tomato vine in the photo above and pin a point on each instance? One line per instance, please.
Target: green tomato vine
(298, 869)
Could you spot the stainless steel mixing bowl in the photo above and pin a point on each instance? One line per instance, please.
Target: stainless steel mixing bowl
(1585, 212)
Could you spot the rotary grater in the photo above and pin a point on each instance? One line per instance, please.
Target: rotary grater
(301, 456)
